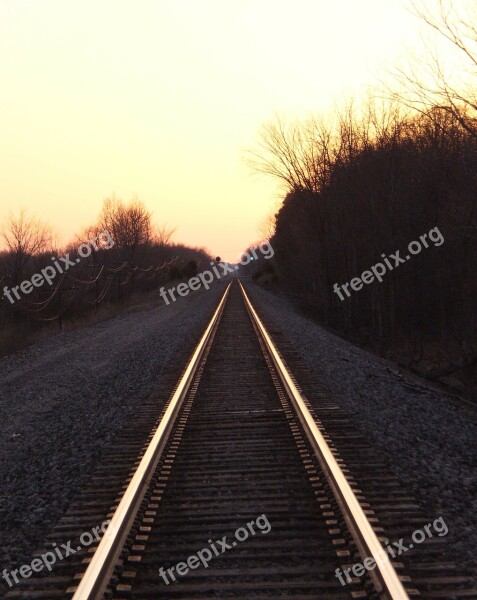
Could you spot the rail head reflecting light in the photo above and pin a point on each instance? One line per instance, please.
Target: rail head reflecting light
(384, 576)
(96, 578)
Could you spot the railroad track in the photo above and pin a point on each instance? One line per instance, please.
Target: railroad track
(239, 491)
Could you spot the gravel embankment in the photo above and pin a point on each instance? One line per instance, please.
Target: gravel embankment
(428, 438)
(62, 400)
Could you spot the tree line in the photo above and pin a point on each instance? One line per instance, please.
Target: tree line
(367, 183)
(122, 253)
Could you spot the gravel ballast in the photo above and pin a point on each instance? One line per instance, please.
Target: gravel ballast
(427, 437)
(64, 399)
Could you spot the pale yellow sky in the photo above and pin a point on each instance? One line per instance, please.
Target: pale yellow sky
(160, 98)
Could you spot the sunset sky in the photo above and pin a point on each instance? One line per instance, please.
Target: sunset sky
(161, 99)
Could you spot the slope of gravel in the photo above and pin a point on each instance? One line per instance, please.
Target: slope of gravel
(63, 399)
(429, 438)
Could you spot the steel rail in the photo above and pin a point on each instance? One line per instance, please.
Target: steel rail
(384, 576)
(96, 578)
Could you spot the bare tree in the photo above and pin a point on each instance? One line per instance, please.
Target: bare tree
(302, 154)
(289, 152)
(161, 239)
(428, 84)
(267, 226)
(129, 225)
(162, 236)
(25, 237)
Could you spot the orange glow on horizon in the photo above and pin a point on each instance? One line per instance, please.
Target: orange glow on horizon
(160, 99)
